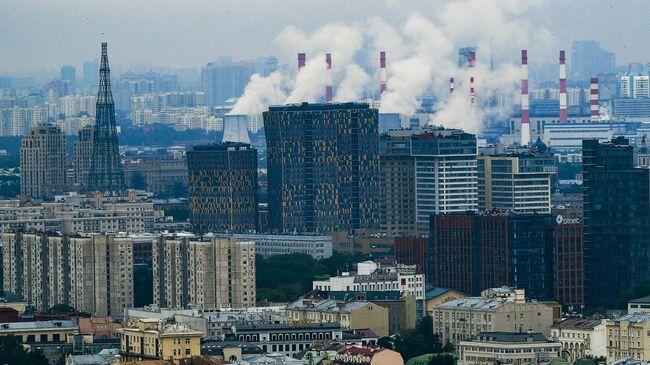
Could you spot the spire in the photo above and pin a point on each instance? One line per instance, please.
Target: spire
(106, 174)
(104, 95)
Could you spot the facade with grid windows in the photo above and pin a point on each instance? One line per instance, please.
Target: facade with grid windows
(210, 272)
(223, 188)
(426, 171)
(566, 246)
(323, 164)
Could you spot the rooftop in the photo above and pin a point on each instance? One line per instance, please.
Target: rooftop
(326, 305)
(317, 106)
(18, 326)
(643, 300)
(511, 337)
(579, 323)
(633, 318)
(286, 327)
(473, 303)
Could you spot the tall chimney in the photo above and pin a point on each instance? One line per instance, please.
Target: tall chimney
(471, 63)
(451, 86)
(472, 95)
(563, 98)
(593, 100)
(328, 87)
(301, 60)
(382, 72)
(525, 112)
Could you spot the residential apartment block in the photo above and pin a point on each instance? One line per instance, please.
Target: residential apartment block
(508, 348)
(210, 272)
(581, 337)
(91, 273)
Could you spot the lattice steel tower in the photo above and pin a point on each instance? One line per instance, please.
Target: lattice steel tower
(106, 174)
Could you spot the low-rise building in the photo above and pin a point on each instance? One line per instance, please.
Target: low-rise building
(581, 337)
(41, 332)
(104, 357)
(436, 296)
(372, 276)
(350, 314)
(318, 247)
(152, 339)
(496, 310)
(507, 348)
(364, 242)
(231, 351)
(285, 339)
(354, 355)
(639, 305)
(629, 336)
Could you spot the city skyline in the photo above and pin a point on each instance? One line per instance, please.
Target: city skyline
(204, 31)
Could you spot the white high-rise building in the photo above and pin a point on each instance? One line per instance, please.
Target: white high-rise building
(641, 87)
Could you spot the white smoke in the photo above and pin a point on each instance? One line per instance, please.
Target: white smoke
(421, 57)
(355, 81)
(259, 94)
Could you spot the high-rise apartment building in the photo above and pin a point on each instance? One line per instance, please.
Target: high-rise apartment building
(588, 59)
(83, 154)
(223, 188)
(634, 86)
(211, 272)
(323, 163)
(516, 181)
(18, 120)
(426, 171)
(42, 162)
(106, 173)
(91, 273)
(68, 74)
(225, 79)
(616, 220)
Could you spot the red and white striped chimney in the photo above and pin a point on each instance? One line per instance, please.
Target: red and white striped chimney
(471, 61)
(593, 100)
(451, 86)
(472, 94)
(525, 112)
(382, 72)
(301, 60)
(328, 87)
(563, 98)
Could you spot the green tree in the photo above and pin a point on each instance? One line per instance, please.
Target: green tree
(12, 353)
(386, 342)
(138, 181)
(61, 309)
(442, 359)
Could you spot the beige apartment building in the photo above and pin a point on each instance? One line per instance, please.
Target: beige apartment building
(581, 337)
(629, 336)
(496, 310)
(91, 273)
(350, 314)
(42, 162)
(152, 339)
(211, 272)
(507, 348)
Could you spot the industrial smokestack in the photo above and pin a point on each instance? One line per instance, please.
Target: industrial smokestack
(525, 112)
(563, 98)
(471, 63)
(593, 100)
(301, 60)
(382, 72)
(472, 95)
(328, 87)
(451, 86)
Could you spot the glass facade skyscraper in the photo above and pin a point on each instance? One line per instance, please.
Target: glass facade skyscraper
(223, 188)
(323, 163)
(616, 220)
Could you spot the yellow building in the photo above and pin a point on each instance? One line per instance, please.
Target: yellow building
(153, 339)
(41, 331)
(350, 314)
(629, 335)
(436, 296)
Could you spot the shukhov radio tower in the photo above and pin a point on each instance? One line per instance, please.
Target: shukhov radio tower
(106, 173)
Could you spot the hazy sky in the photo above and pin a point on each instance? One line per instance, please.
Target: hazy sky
(43, 35)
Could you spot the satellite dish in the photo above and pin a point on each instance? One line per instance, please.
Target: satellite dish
(559, 219)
